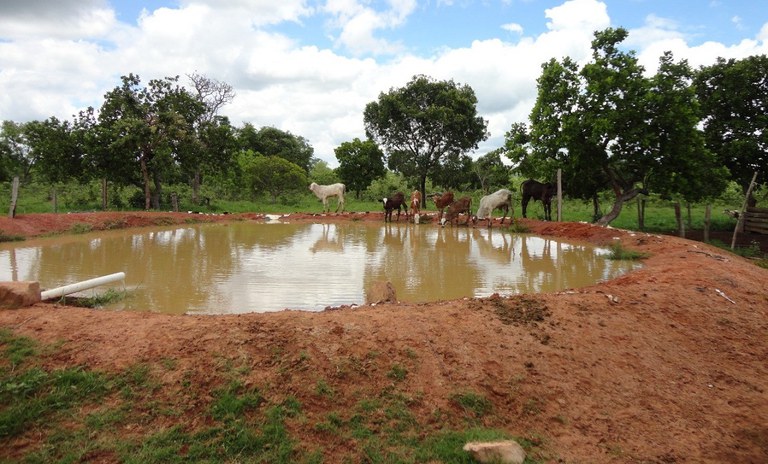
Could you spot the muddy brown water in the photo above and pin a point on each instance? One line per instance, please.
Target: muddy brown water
(260, 267)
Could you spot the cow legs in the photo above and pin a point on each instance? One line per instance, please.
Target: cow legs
(548, 211)
(340, 205)
(506, 210)
(525, 204)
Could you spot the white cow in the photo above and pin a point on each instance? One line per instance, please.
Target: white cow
(324, 191)
(500, 199)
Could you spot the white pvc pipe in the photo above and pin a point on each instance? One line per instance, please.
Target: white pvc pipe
(84, 285)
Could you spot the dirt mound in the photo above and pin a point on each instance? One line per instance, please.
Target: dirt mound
(664, 364)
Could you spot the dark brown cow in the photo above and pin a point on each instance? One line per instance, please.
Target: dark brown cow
(531, 189)
(396, 201)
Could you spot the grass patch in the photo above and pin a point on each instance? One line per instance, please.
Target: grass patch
(10, 238)
(517, 227)
(16, 349)
(234, 400)
(106, 298)
(397, 373)
(474, 405)
(618, 252)
(80, 228)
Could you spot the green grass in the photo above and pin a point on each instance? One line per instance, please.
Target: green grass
(77, 415)
(10, 238)
(106, 298)
(618, 252)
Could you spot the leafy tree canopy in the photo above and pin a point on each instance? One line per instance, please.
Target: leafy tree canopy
(734, 98)
(275, 175)
(424, 124)
(360, 162)
(270, 141)
(15, 156)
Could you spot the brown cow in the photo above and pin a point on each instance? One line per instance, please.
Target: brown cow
(441, 201)
(415, 202)
(462, 205)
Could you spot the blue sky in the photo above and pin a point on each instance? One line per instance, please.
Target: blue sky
(309, 67)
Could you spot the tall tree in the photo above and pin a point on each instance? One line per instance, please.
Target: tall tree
(214, 145)
(147, 125)
(424, 124)
(609, 126)
(360, 162)
(734, 99)
(691, 171)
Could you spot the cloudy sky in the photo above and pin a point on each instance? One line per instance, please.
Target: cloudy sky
(310, 67)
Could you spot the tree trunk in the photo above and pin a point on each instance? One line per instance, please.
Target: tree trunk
(640, 214)
(104, 196)
(146, 179)
(596, 208)
(196, 187)
(158, 193)
(617, 205)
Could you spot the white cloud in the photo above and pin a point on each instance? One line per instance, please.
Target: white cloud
(513, 27)
(359, 23)
(590, 15)
(258, 12)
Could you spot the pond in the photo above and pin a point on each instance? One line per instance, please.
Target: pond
(258, 267)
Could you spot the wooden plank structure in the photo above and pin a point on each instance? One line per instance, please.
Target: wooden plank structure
(756, 220)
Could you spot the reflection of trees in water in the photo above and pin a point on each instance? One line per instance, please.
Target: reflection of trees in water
(269, 236)
(550, 264)
(417, 270)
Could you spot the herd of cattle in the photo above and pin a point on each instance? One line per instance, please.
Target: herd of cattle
(449, 208)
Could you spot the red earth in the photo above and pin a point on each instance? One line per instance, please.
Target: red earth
(666, 364)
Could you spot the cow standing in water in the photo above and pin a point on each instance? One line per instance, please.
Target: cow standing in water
(531, 189)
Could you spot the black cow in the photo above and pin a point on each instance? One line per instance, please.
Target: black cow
(531, 189)
(396, 201)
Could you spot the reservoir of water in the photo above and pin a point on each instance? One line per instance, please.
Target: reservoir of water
(259, 267)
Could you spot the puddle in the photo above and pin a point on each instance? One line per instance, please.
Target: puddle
(258, 267)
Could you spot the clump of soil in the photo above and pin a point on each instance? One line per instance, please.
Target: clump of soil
(664, 364)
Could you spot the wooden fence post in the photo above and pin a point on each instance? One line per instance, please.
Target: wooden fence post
(679, 219)
(559, 195)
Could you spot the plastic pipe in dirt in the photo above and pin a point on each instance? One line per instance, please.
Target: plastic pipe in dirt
(84, 285)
